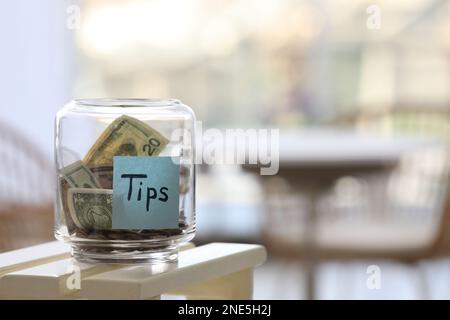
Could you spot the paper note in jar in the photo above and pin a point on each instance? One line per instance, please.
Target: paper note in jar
(146, 193)
(104, 175)
(90, 209)
(79, 176)
(125, 136)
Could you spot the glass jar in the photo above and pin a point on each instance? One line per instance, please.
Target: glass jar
(125, 179)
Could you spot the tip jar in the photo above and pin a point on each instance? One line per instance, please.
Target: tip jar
(125, 179)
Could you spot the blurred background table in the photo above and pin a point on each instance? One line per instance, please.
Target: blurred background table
(311, 161)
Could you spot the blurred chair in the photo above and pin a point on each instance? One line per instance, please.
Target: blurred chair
(403, 214)
(26, 191)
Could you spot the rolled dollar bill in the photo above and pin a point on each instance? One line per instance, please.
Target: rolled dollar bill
(63, 188)
(90, 209)
(74, 175)
(125, 136)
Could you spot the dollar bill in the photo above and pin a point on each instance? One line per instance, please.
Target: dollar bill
(184, 179)
(104, 175)
(74, 175)
(90, 209)
(63, 189)
(125, 136)
(79, 176)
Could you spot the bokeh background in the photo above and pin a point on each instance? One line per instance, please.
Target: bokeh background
(342, 80)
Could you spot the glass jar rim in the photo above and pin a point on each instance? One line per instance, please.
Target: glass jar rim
(126, 102)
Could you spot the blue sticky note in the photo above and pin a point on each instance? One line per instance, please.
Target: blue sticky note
(146, 192)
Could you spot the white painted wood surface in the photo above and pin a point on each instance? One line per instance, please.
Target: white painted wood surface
(216, 270)
(27, 257)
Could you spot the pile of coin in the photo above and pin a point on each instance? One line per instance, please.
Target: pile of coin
(86, 185)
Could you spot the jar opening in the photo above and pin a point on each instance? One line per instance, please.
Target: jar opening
(125, 103)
